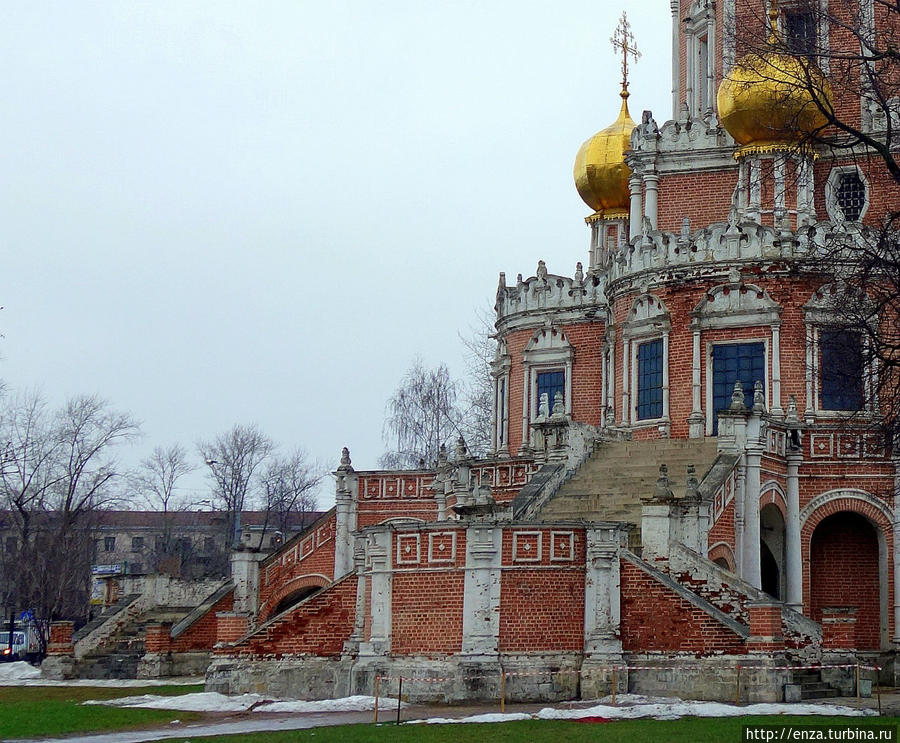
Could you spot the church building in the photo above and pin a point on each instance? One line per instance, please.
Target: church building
(686, 478)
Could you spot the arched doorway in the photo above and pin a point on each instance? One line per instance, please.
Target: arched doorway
(771, 550)
(845, 571)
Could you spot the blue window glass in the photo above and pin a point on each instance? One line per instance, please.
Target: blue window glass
(842, 370)
(732, 362)
(551, 382)
(650, 377)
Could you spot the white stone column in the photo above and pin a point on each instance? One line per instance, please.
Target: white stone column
(665, 375)
(696, 423)
(634, 214)
(611, 402)
(481, 597)
(526, 387)
(751, 565)
(245, 576)
(604, 381)
(810, 371)
(343, 540)
(710, 71)
(793, 552)
(775, 406)
(754, 189)
(674, 5)
(651, 184)
(779, 192)
(896, 553)
(626, 408)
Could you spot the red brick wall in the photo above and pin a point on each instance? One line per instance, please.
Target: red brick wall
(541, 610)
(655, 618)
(679, 197)
(318, 626)
(312, 553)
(201, 635)
(427, 612)
(844, 573)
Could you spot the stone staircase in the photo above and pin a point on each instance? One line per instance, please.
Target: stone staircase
(118, 656)
(812, 686)
(609, 486)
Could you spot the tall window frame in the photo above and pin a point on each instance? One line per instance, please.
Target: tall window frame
(648, 322)
(549, 350)
(700, 55)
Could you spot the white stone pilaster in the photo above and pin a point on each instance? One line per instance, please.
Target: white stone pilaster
(775, 407)
(750, 555)
(696, 423)
(602, 610)
(634, 214)
(481, 598)
(378, 554)
(793, 552)
(245, 576)
(651, 186)
(675, 7)
(665, 375)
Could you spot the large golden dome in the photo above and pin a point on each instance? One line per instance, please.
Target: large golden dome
(767, 101)
(601, 175)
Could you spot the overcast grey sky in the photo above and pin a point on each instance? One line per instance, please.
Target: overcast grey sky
(223, 212)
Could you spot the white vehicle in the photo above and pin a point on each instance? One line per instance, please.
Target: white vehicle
(17, 650)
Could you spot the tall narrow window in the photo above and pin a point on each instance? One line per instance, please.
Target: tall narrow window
(650, 380)
(800, 32)
(702, 76)
(732, 362)
(841, 365)
(550, 382)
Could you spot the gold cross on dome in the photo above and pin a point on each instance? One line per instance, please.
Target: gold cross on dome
(623, 40)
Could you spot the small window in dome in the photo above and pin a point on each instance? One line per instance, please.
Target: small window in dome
(850, 195)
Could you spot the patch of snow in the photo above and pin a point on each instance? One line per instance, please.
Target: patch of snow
(673, 709)
(18, 671)
(357, 703)
(204, 701)
(102, 683)
(491, 717)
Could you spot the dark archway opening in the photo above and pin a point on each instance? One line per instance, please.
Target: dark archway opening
(294, 598)
(844, 572)
(770, 577)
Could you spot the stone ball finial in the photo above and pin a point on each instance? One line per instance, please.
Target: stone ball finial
(663, 488)
(345, 465)
(541, 272)
(461, 450)
(579, 273)
(559, 407)
(692, 484)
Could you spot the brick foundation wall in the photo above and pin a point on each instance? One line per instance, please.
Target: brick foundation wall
(203, 634)
(655, 618)
(427, 612)
(541, 610)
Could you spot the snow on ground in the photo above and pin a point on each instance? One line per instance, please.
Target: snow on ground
(491, 717)
(214, 702)
(18, 671)
(204, 701)
(347, 704)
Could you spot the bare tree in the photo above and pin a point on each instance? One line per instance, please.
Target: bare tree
(57, 474)
(479, 346)
(155, 484)
(288, 489)
(233, 458)
(421, 415)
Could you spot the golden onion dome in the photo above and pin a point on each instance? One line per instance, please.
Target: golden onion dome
(601, 175)
(767, 101)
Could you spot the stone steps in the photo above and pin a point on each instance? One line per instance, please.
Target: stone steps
(609, 486)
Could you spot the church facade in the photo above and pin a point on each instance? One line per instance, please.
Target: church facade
(685, 480)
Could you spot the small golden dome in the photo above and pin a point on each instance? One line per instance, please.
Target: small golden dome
(601, 175)
(766, 101)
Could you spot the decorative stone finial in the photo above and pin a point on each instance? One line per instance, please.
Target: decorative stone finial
(663, 489)
(737, 397)
(461, 451)
(442, 456)
(544, 406)
(559, 407)
(692, 485)
(792, 415)
(579, 274)
(345, 465)
(759, 397)
(541, 272)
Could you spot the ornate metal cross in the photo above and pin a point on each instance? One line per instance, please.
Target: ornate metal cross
(622, 39)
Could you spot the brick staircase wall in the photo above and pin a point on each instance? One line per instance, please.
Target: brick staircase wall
(319, 625)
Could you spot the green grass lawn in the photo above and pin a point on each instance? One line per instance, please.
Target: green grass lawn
(40, 711)
(690, 730)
